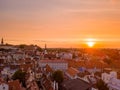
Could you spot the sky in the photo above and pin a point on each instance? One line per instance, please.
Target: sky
(61, 23)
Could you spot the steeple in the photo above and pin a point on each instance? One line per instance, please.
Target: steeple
(2, 41)
(45, 51)
(45, 46)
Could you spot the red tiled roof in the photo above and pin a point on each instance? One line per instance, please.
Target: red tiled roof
(71, 71)
(53, 61)
(14, 85)
(48, 68)
(47, 84)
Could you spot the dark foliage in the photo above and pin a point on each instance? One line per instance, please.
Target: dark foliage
(58, 76)
(101, 85)
(20, 75)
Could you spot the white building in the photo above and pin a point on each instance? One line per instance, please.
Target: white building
(111, 80)
(8, 71)
(64, 55)
(113, 74)
(114, 84)
(54, 64)
(18, 55)
(5, 71)
(106, 77)
(4, 86)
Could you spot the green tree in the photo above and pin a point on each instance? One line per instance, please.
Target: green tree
(101, 85)
(58, 76)
(20, 75)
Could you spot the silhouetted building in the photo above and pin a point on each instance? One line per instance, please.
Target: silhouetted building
(45, 46)
(45, 51)
(2, 41)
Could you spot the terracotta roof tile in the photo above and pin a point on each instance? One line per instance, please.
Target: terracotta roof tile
(14, 85)
(72, 71)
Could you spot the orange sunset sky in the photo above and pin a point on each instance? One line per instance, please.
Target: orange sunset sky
(61, 23)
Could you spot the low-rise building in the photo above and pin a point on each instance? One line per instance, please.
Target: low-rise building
(54, 64)
(106, 77)
(76, 84)
(4, 86)
(15, 85)
(114, 84)
(111, 80)
(72, 73)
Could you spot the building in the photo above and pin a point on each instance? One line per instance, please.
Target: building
(2, 42)
(65, 55)
(106, 77)
(72, 73)
(4, 86)
(114, 84)
(76, 84)
(15, 85)
(47, 84)
(111, 80)
(54, 64)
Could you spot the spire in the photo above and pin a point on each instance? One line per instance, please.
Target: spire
(45, 51)
(45, 46)
(2, 41)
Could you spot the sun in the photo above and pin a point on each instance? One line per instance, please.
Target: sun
(90, 43)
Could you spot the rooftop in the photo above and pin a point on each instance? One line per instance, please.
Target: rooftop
(53, 61)
(76, 84)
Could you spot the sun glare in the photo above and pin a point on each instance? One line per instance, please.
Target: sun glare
(90, 43)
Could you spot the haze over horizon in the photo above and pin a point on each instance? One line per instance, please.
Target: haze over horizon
(61, 23)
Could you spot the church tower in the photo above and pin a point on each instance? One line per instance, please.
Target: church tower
(45, 46)
(2, 41)
(45, 51)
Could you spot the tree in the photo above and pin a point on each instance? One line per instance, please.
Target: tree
(20, 75)
(101, 85)
(22, 46)
(39, 49)
(108, 61)
(58, 76)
